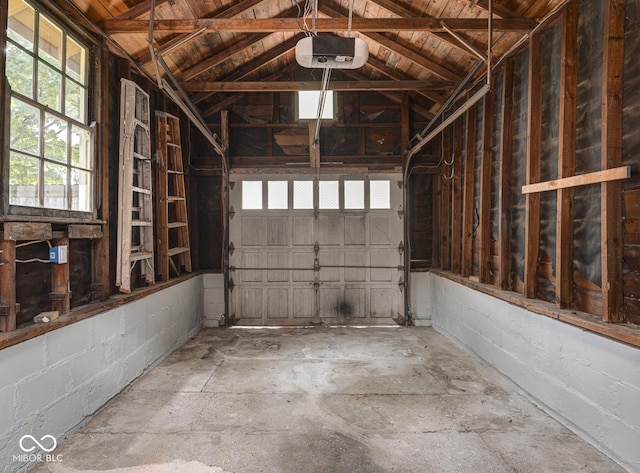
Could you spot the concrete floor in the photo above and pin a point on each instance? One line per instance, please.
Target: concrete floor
(323, 400)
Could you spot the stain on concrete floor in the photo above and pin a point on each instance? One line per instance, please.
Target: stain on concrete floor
(297, 400)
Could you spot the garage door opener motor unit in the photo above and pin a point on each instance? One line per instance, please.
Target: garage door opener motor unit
(332, 52)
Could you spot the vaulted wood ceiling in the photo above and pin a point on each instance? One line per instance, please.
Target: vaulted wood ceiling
(218, 49)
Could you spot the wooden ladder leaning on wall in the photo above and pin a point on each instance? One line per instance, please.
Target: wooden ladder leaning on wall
(135, 192)
(174, 251)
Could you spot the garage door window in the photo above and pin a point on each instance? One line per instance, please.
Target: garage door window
(252, 195)
(329, 197)
(278, 195)
(302, 195)
(380, 194)
(354, 195)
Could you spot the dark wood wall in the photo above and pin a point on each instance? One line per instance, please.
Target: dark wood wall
(543, 120)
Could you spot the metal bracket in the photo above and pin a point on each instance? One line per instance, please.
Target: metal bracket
(231, 212)
(232, 269)
(316, 248)
(316, 265)
(401, 248)
(401, 284)
(231, 284)
(400, 184)
(400, 212)
(232, 184)
(231, 249)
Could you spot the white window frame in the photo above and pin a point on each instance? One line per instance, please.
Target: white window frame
(86, 165)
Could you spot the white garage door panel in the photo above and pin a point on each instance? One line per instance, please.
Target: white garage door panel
(277, 234)
(251, 231)
(251, 259)
(303, 230)
(331, 229)
(383, 302)
(353, 274)
(277, 303)
(356, 299)
(300, 266)
(355, 230)
(303, 303)
(250, 305)
(278, 260)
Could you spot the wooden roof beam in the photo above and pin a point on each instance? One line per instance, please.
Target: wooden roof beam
(292, 86)
(234, 98)
(323, 25)
(141, 9)
(397, 98)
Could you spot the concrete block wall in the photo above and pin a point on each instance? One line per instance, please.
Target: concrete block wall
(213, 299)
(51, 383)
(419, 299)
(588, 382)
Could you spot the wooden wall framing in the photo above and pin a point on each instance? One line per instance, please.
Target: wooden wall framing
(461, 200)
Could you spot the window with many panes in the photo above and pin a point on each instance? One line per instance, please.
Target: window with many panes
(51, 162)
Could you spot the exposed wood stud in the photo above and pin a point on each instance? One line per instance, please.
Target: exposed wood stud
(7, 285)
(534, 114)
(566, 157)
(612, 87)
(456, 203)
(485, 191)
(506, 146)
(100, 246)
(445, 225)
(467, 208)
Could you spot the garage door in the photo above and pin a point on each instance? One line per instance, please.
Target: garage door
(305, 250)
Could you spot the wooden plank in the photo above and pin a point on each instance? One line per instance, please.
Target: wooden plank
(534, 125)
(292, 86)
(323, 25)
(597, 177)
(485, 191)
(7, 285)
(100, 248)
(314, 148)
(506, 146)
(88, 232)
(445, 202)
(141, 9)
(60, 293)
(611, 217)
(456, 203)
(566, 157)
(467, 208)
(27, 231)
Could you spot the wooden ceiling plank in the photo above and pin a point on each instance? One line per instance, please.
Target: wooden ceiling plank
(497, 9)
(403, 12)
(141, 9)
(221, 57)
(323, 25)
(391, 73)
(261, 61)
(291, 86)
(185, 38)
(400, 49)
